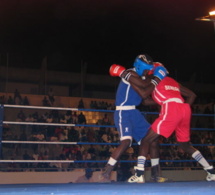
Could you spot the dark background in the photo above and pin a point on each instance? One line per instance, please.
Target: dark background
(98, 33)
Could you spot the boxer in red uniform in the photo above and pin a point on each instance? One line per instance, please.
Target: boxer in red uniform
(175, 116)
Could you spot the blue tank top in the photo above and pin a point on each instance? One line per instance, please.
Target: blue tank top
(126, 95)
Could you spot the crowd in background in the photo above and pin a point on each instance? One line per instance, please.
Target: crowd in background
(89, 135)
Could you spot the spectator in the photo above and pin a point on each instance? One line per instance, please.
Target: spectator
(106, 137)
(91, 135)
(106, 120)
(29, 118)
(23, 137)
(45, 101)
(2, 99)
(51, 96)
(25, 101)
(81, 104)
(20, 116)
(74, 118)
(104, 152)
(49, 119)
(83, 135)
(35, 155)
(93, 105)
(26, 156)
(17, 97)
(68, 116)
(81, 118)
(86, 156)
(73, 135)
(92, 151)
(63, 119)
(10, 100)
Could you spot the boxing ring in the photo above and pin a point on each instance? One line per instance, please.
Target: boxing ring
(198, 185)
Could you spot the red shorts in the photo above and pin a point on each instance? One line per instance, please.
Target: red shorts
(174, 117)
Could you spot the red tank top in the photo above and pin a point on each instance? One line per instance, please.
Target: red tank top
(166, 90)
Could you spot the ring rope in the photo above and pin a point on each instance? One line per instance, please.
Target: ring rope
(81, 125)
(84, 143)
(87, 161)
(54, 124)
(55, 108)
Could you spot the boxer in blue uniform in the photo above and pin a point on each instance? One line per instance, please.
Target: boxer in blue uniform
(129, 121)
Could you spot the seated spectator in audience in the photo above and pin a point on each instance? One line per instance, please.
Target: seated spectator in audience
(106, 120)
(35, 116)
(81, 104)
(74, 118)
(26, 156)
(68, 116)
(104, 152)
(46, 155)
(46, 101)
(83, 135)
(79, 155)
(49, 119)
(111, 149)
(20, 116)
(25, 101)
(45, 115)
(17, 97)
(86, 156)
(55, 116)
(91, 135)
(29, 118)
(35, 155)
(2, 99)
(106, 137)
(92, 151)
(93, 105)
(73, 135)
(10, 100)
(23, 137)
(59, 133)
(51, 96)
(63, 119)
(81, 118)
(38, 136)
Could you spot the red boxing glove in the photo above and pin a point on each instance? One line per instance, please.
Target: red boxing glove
(116, 70)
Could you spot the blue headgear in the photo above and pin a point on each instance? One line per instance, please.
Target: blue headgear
(143, 62)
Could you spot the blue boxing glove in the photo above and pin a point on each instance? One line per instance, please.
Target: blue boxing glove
(160, 72)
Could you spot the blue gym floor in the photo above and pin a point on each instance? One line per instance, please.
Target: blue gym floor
(174, 188)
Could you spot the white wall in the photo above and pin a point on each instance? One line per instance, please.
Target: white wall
(71, 176)
(46, 177)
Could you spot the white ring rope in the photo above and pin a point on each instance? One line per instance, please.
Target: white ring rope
(39, 107)
(35, 123)
(37, 161)
(39, 142)
(55, 108)
(55, 124)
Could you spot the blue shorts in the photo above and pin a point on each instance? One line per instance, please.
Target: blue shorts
(131, 123)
